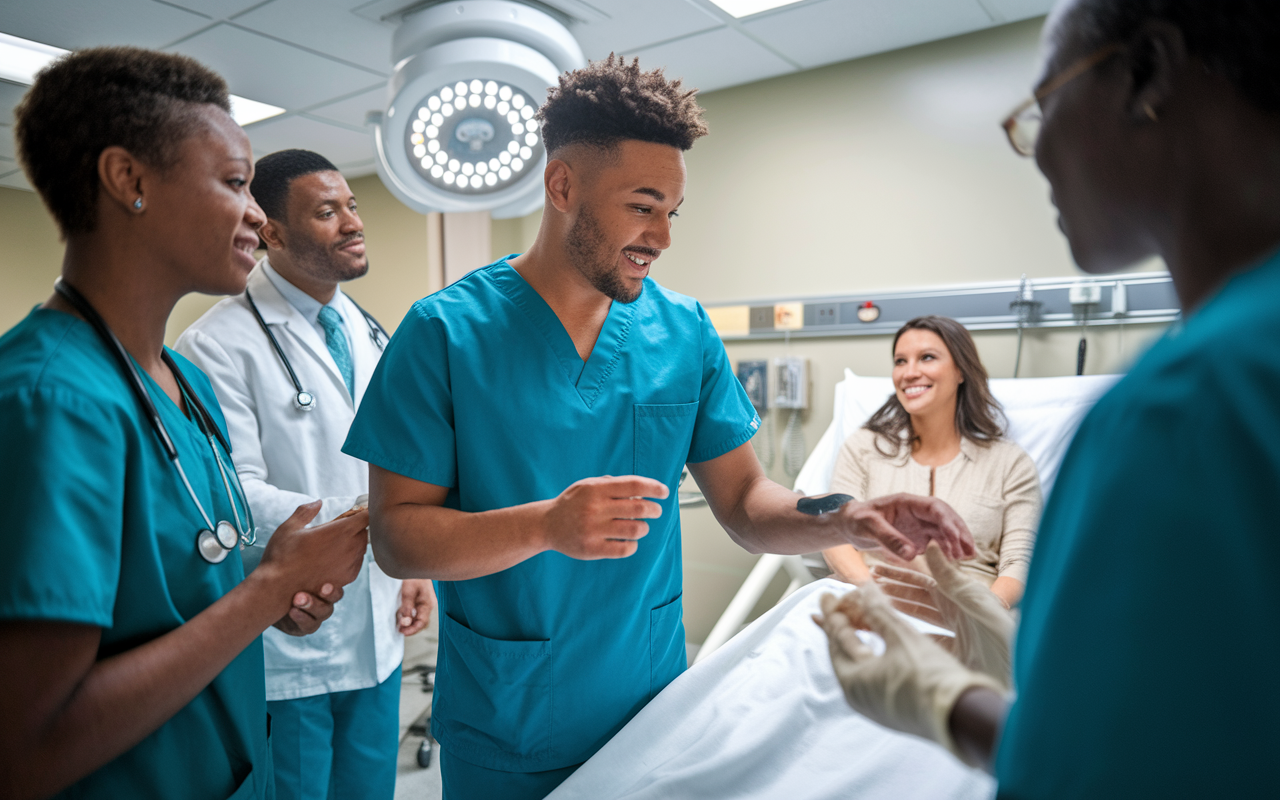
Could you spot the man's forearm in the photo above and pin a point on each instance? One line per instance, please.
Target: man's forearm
(765, 520)
(976, 722)
(430, 541)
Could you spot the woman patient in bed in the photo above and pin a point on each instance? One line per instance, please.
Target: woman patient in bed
(940, 434)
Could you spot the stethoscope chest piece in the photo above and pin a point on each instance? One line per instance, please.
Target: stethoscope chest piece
(209, 547)
(304, 401)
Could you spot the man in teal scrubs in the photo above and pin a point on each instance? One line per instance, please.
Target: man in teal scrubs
(1145, 664)
(503, 400)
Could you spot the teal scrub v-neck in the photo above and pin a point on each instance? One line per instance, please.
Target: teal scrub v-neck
(99, 530)
(482, 390)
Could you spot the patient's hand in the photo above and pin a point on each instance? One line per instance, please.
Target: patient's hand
(952, 600)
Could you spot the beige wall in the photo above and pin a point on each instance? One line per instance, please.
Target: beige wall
(885, 172)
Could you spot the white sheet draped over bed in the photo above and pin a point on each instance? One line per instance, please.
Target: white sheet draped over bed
(763, 717)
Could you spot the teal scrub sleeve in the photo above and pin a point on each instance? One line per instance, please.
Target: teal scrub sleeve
(405, 420)
(62, 488)
(726, 418)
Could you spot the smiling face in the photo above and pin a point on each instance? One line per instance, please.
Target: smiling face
(323, 233)
(203, 221)
(621, 220)
(926, 378)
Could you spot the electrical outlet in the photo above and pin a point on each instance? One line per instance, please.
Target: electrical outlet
(821, 313)
(1085, 294)
(761, 318)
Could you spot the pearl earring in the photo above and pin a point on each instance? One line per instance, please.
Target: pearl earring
(1150, 112)
(137, 204)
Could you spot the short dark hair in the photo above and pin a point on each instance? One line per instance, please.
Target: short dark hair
(610, 101)
(89, 100)
(273, 174)
(978, 413)
(1237, 39)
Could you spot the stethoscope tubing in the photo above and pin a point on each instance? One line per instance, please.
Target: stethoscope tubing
(203, 419)
(304, 400)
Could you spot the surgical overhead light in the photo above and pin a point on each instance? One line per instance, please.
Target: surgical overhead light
(458, 133)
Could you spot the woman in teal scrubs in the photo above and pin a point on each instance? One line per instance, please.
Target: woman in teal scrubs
(130, 654)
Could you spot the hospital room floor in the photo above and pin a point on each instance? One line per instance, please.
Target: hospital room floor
(413, 782)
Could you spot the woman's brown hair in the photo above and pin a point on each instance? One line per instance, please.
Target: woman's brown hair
(978, 414)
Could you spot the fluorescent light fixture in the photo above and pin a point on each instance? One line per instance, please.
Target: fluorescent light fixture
(246, 112)
(745, 8)
(21, 59)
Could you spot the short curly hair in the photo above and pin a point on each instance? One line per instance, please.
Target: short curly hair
(610, 101)
(87, 101)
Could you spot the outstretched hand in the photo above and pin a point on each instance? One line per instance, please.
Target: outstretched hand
(913, 686)
(904, 524)
(950, 599)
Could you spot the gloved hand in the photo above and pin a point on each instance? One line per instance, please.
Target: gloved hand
(913, 686)
(983, 627)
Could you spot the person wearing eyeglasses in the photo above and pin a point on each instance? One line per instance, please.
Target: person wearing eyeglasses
(131, 660)
(1157, 123)
(334, 696)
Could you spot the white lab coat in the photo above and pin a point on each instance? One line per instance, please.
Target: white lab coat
(286, 457)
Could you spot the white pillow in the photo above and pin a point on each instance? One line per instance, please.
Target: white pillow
(1043, 415)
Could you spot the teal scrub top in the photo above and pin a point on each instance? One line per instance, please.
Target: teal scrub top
(1147, 658)
(481, 390)
(100, 531)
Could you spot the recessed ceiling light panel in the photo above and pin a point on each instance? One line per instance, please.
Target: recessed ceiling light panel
(458, 133)
(745, 8)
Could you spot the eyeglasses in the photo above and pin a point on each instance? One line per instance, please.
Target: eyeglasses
(1023, 125)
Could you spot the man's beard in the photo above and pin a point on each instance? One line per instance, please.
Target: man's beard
(321, 260)
(588, 253)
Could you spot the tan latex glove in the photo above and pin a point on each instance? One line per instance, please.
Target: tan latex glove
(913, 686)
(983, 627)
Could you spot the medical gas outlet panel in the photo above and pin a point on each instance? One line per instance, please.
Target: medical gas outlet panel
(1029, 303)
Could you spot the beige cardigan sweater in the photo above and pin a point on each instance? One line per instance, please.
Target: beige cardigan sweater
(994, 488)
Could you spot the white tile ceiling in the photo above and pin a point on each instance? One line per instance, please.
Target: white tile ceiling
(327, 61)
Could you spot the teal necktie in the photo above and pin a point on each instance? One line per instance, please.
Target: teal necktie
(336, 341)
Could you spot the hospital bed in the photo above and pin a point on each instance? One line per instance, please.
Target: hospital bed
(762, 716)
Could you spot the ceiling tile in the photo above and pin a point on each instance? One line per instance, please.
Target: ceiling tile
(326, 26)
(632, 26)
(713, 60)
(1014, 10)
(352, 110)
(16, 180)
(10, 94)
(272, 72)
(339, 145)
(838, 30)
(217, 9)
(73, 24)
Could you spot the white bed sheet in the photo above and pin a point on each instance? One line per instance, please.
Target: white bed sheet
(1043, 415)
(763, 717)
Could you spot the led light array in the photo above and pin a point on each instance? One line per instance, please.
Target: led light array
(432, 135)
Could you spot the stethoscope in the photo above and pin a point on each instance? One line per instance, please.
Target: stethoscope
(304, 400)
(213, 542)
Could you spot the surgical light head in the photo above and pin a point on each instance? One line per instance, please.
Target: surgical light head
(458, 133)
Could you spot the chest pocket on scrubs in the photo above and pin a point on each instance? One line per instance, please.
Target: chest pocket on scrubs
(663, 433)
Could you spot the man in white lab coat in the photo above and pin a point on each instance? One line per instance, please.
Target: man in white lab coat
(333, 696)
